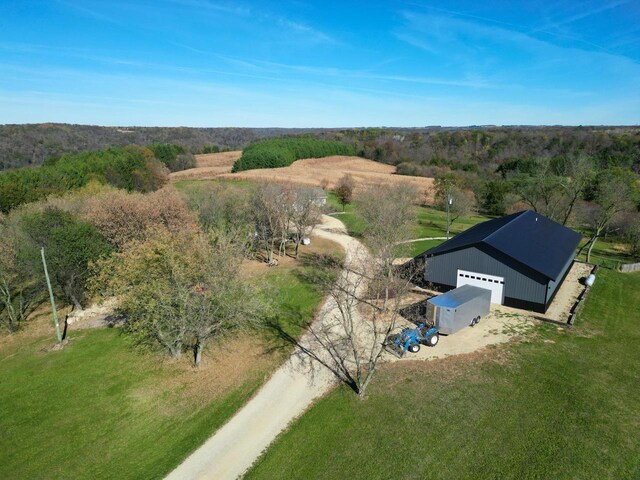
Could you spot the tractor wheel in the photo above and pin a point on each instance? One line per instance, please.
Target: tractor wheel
(433, 340)
(414, 347)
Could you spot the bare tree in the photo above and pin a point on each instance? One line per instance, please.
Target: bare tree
(349, 340)
(389, 215)
(344, 190)
(221, 301)
(461, 203)
(553, 189)
(267, 203)
(285, 203)
(576, 173)
(305, 214)
(543, 193)
(615, 192)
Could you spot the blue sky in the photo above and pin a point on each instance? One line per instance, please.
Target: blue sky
(211, 63)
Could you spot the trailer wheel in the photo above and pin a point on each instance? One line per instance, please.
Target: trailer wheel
(433, 340)
(478, 319)
(414, 347)
(473, 322)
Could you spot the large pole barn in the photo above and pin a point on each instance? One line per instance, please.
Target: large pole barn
(521, 258)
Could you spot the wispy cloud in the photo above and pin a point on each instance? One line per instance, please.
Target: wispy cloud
(219, 7)
(443, 35)
(262, 17)
(582, 14)
(368, 75)
(304, 30)
(86, 11)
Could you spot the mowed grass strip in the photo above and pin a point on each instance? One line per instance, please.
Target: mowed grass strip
(559, 404)
(97, 409)
(101, 408)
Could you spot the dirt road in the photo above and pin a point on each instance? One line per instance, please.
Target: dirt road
(291, 390)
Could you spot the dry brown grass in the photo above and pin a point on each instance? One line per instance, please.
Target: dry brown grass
(323, 172)
(208, 166)
(225, 366)
(319, 246)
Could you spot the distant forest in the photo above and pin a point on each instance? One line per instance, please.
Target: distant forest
(416, 151)
(32, 144)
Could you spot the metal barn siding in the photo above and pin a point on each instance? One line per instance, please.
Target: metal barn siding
(530, 288)
(553, 286)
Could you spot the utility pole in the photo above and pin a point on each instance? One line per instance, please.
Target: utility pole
(449, 203)
(53, 302)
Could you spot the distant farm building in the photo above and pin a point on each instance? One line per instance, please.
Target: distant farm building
(521, 258)
(319, 196)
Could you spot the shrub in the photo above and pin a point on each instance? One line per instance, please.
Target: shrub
(175, 157)
(210, 149)
(282, 152)
(122, 217)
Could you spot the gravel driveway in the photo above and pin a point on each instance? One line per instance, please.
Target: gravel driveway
(290, 391)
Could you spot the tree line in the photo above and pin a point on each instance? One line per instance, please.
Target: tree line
(414, 150)
(172, 260)
(130, 168)
(282, 152)
(32, 144)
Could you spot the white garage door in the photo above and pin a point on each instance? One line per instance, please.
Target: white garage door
(482, 280)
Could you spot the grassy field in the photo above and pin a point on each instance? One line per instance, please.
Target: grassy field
(560, 404)
(607, 253)
(102, 409)
(433, 223)
(99, 409)
(416, 248)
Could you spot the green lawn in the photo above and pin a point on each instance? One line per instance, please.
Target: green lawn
(607, 253)
(416, 248)
(433, 223)
(429, 223)
(103, 409)
(97, 410)
(563, 404)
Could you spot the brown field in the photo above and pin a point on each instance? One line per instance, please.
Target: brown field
(209, 165)
(323, 172)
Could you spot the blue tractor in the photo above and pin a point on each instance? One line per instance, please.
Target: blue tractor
(410, 339)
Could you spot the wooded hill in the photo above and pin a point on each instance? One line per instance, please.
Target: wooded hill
(32, 144)
(417, 149)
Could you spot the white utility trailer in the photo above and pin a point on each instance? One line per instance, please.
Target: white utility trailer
(458, 308)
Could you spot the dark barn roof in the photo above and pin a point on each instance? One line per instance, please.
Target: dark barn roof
(532, 239)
